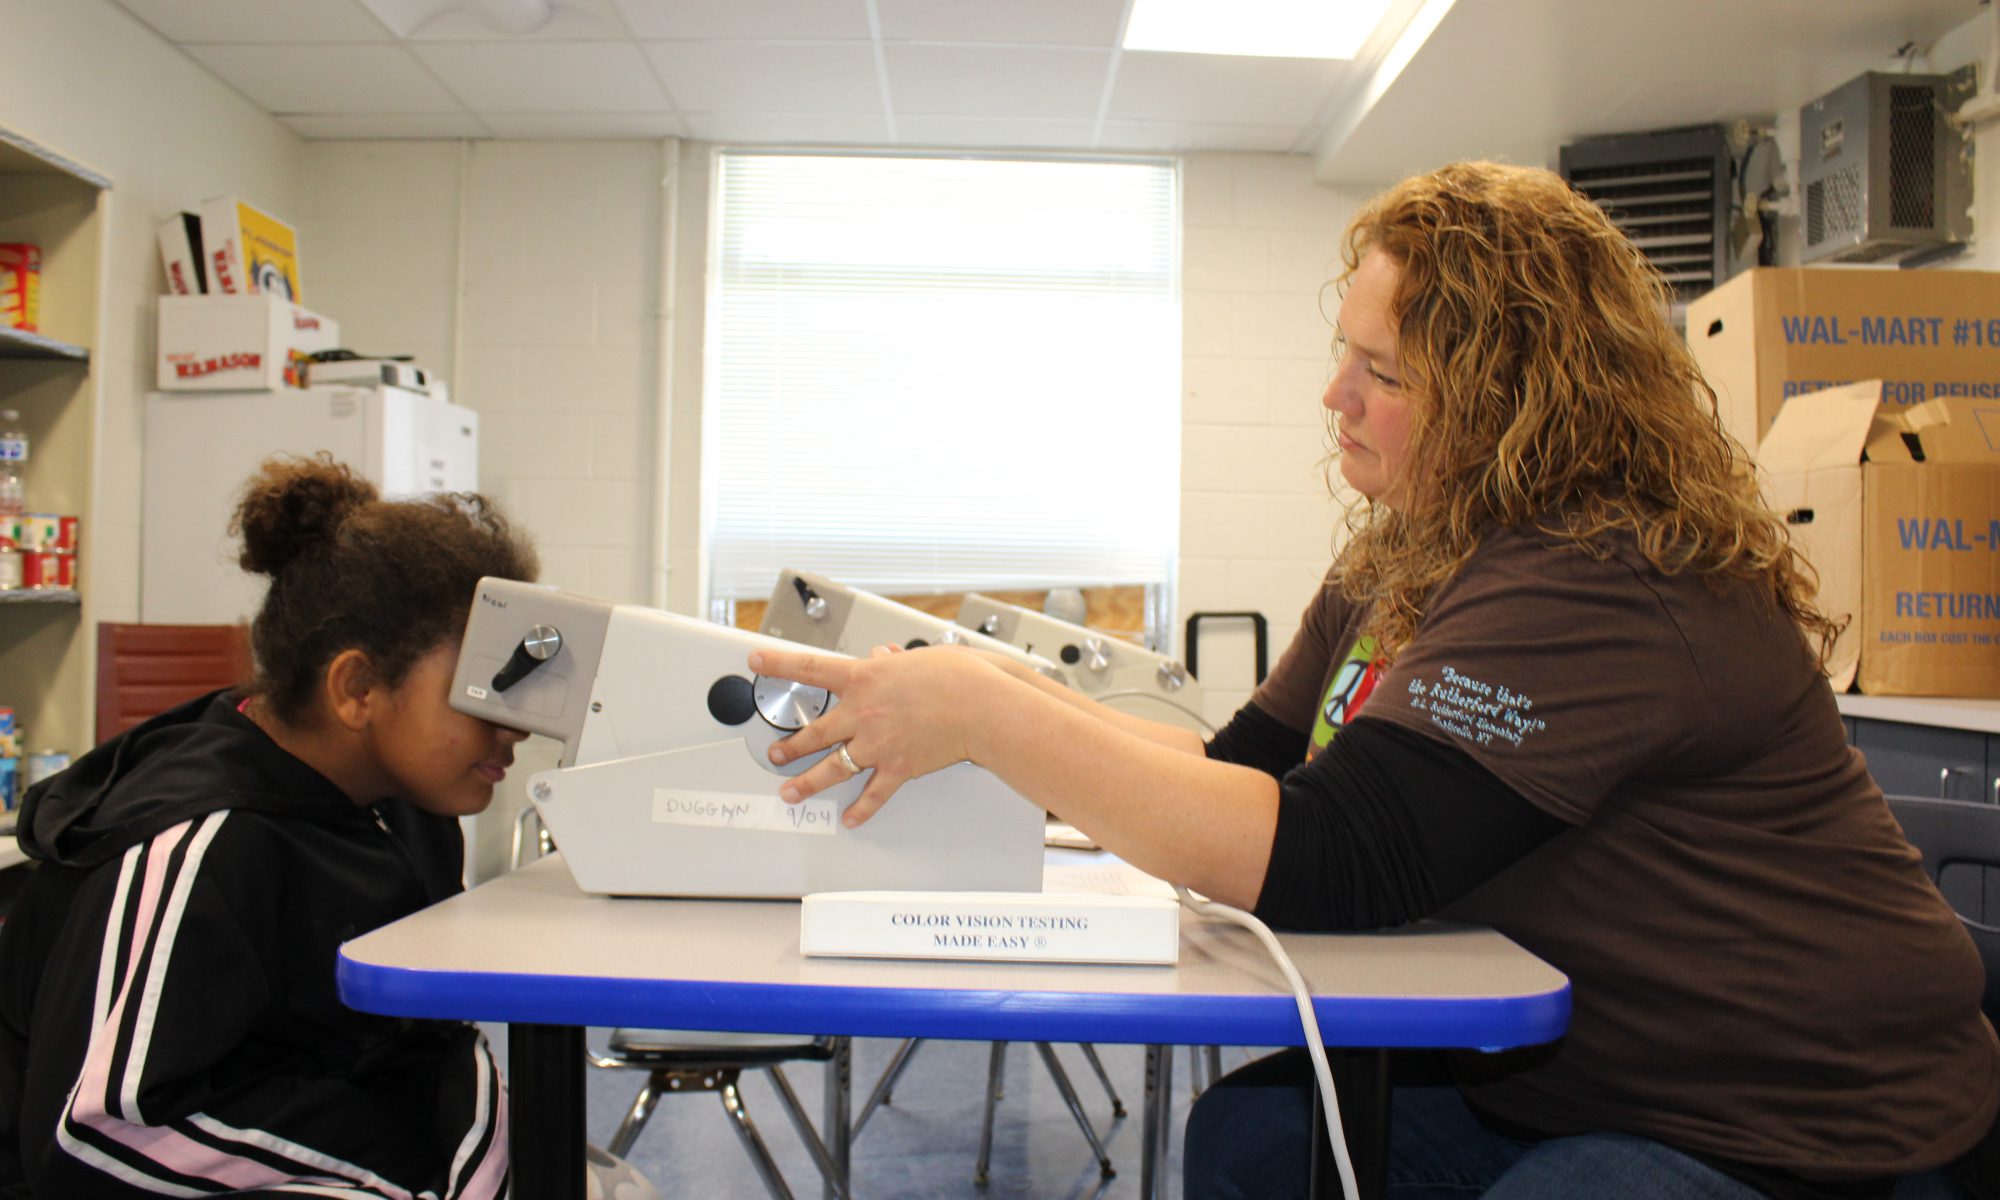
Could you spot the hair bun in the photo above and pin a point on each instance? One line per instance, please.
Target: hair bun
(292, 504)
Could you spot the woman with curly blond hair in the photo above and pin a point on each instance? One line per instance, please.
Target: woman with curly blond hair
(1563, 680)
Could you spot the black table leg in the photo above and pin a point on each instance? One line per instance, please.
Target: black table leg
(545, 1102)
(1361, 1080)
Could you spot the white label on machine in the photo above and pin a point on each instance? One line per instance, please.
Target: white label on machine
(745, 810)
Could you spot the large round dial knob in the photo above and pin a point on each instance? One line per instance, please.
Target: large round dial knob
(789, 705)
(1173, 676)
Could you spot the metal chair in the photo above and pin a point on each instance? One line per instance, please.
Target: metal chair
(678, 1061)
(996, 1091)
(1960, 842)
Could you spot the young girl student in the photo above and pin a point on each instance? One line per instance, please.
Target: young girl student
(168, 1019)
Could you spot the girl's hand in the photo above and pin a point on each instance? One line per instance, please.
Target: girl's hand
(900, 715)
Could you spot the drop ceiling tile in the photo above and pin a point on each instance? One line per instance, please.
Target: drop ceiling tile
(789, 129)
(260, 20)
(1211, 89)
(555, 77)
(571, 21)
(994, 133)
(1185, 136)
(753, 77)
(326, 78)
(1020, 22)
(803, 20)
(995, 81)
(566, 126)
(385, 125)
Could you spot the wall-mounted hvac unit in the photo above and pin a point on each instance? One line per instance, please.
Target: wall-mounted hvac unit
(1884, 172)
(1669, 190)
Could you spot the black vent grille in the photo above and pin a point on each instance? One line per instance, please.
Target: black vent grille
(1912, 148)
(1669, 192)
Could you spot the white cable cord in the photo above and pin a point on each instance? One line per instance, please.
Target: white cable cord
(1315, 1046)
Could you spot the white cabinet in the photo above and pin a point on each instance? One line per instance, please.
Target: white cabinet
(202, 447)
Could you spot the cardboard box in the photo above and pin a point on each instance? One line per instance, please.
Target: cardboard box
(237, 343)
(248, 251)
(1899, 512)
(1772, 333)
(180, 255)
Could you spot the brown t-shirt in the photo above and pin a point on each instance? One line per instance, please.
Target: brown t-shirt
(1760, 969)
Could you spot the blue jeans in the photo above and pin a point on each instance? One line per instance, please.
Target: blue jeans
(1247, 1139)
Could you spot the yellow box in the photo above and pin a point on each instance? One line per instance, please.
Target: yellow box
(249, 251)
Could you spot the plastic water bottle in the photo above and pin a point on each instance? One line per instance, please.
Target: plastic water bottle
(13, 461)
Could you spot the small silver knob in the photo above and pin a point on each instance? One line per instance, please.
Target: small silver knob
(990, 626)
(816, 607)
(542, 643)
(951, 637)
(1096, 656)
(1173, 676)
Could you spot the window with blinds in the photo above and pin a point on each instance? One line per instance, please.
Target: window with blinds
(941, 373)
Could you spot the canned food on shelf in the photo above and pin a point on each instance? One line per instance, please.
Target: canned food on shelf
(39, 569)
(10, 569)
(41, 531)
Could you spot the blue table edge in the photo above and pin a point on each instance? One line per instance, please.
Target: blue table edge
(1482, 1022)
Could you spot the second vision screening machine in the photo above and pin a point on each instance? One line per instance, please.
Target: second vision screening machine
(1108, 669)
(663, 787)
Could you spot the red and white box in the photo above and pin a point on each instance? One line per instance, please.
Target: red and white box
(237, 343)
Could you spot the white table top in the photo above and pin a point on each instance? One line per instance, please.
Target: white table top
(530, 947)
(1979, 716)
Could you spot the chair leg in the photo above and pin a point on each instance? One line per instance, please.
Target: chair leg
(1097, 1065)
(636, 1117)
(1156, 1131)
(807, 1134)
(746, 1132)
(1069, 1097)
(880, 1095)
(995, 1066)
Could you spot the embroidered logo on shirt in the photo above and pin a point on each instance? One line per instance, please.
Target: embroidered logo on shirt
(1353, 682)
(1473, 710)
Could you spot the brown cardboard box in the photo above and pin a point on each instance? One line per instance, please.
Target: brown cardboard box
(1773, 333)
(1899, 512)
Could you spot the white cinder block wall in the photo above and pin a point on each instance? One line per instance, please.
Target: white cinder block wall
(527, 275)
(1260, 250)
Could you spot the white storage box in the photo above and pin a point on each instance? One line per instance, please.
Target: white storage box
(237, 343)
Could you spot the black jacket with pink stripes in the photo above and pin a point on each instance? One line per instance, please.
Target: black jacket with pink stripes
(168, 1018)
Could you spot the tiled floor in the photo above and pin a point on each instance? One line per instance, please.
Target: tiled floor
(926, 1142)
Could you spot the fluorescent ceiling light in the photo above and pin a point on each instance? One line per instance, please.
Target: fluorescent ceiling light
(1261, 28)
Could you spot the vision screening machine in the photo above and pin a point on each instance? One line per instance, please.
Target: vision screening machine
(819, 612)
(1108, 669)
(663, 787)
